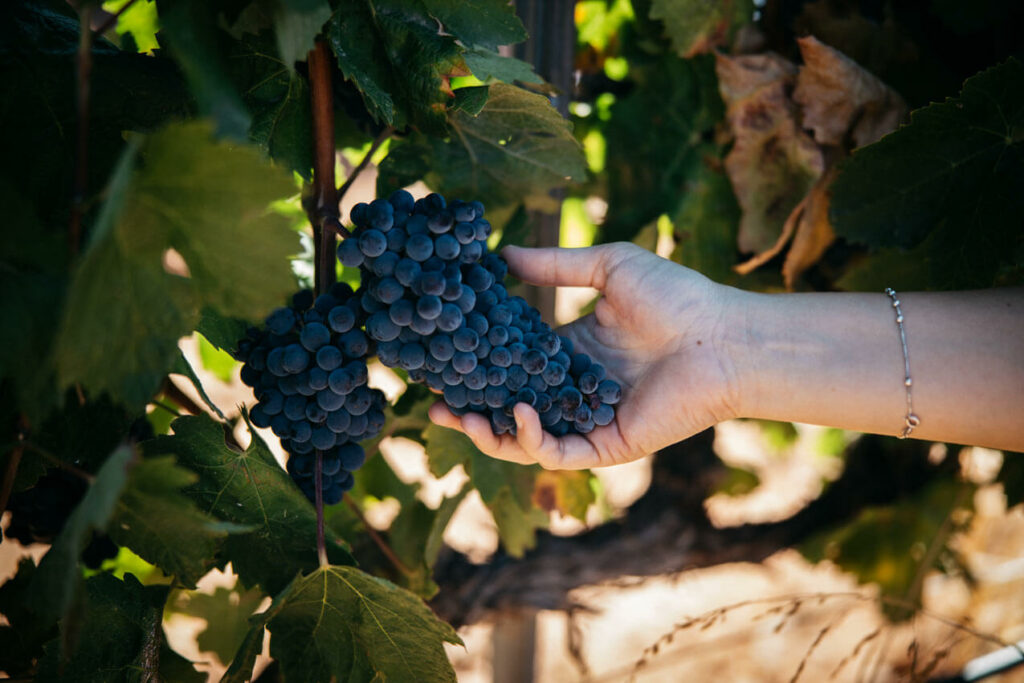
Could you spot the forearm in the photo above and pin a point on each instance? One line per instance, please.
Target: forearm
(835, 359)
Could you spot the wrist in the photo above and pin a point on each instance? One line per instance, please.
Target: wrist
(733, 350)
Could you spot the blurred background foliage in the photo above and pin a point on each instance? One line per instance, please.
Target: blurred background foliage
(773, 145)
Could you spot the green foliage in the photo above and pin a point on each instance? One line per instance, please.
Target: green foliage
(515, 149)
(391, 50)
(698, 25)
(23, 636)
(55, 582)
(705, 222)
(191, 143)
(251, 490)
(278, 99)
(948, 183)
(675, 100)
(155, 519)
(894, 545)
(343, 623)
(116, 635)
(180, 190)
(140, 21)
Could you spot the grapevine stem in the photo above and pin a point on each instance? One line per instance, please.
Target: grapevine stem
(324, 192)
(10, 474)
(374, 146)
(57, 462)
(81, 177)
(381, 543)
(321, 544)
(111, 20)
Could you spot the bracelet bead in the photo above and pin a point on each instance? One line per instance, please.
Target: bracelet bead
(910, 420)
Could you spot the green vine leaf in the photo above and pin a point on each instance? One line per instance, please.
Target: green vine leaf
(395, 54)
(125, 641)
(278, 99)
(951, 178)
(157, 521)
(339, 623)
(250, 489)
(176, 189)
(483, 23)
(487, 64)
(183, 367)
(517, 148)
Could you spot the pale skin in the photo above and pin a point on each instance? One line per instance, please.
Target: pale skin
(690, 353)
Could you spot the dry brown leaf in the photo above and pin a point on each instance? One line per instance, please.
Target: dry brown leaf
(772, 163)
(840, 100)
(814, 232)
(788, 228)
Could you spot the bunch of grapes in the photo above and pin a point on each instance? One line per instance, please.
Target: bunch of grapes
(437, 308)
(307, 368)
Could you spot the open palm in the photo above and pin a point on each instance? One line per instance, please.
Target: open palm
(656, 330)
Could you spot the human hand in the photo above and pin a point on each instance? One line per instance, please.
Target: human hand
(658, 330)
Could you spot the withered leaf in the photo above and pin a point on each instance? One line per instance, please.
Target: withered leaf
(841, 101)
(773, 163)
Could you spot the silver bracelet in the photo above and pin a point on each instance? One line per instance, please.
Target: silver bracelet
(911, 420)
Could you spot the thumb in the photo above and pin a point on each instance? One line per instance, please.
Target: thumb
(554, 266)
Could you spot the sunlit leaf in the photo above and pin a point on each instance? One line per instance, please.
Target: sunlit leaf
(250, 489)
(158, 522)
(339, 623)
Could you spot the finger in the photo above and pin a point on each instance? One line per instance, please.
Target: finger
(441, 416)
(586, 267)
(478, 429)
(529, 434)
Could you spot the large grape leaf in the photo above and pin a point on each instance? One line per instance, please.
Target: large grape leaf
(486, 64)
(517, 148)
(160, 524)
(249, 488)
(482, 23)
(176, 189)
(278, 99)
(339, 623)
(38, 44)
(117, 635)
(696, 26)
(396, 54)
(55, 581)
(959, 163)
